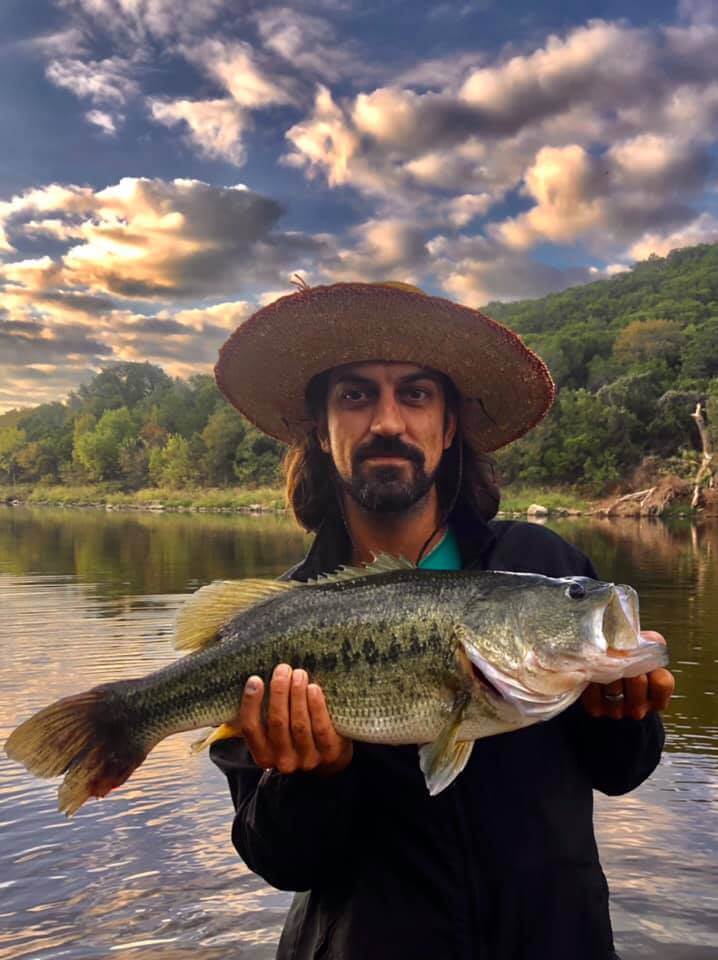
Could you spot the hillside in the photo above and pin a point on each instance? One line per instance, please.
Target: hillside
(632, 356)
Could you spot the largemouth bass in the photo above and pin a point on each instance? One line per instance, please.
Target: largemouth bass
(403, 655)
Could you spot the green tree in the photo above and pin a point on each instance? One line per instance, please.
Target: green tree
(175, 465)
(12, 440)
(97, 450)
(258, 458)
(222, 436)
(700, 359)
(122, 385)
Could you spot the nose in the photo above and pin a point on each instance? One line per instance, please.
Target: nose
(388, 420)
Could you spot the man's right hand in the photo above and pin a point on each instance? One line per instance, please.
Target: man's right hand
(299, 733)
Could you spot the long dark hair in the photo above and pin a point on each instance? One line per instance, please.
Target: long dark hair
(309, 472)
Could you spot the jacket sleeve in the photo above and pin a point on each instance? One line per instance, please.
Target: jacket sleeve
(617, 755)
(290, 829)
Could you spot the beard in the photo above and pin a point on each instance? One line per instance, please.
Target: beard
(388, 488)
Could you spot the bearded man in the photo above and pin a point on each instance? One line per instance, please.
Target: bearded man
(391, 401)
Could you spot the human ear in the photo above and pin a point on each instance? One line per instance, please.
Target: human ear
(323, 437)
(449, 428)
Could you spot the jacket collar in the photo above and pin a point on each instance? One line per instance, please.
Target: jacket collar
(332, 547)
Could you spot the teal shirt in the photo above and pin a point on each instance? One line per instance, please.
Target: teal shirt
(445, 555)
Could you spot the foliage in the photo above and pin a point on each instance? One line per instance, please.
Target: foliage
(631, 355)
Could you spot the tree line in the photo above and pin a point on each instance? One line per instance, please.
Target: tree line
(135, 426)
(632, 356)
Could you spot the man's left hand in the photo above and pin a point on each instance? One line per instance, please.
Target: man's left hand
(631, 698)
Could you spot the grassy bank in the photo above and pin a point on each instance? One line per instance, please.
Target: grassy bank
(517, 499)
(109, 497)
(514, 500)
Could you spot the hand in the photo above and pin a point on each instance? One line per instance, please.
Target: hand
(299, 733)
(636, 697)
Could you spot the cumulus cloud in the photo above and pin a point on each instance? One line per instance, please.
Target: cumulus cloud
(703, 229)
(381, 249)
(131, 253)
(44, 358)
(214, 127)
(237, 67)
(507, 277)
(609, 197)
(606, 129)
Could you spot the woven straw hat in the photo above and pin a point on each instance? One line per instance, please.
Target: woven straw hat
(266, 364)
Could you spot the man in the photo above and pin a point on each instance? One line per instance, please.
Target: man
(391, 399)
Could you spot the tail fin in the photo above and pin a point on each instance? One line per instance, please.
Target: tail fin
(87, 737)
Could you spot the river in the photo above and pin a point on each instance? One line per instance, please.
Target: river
(149, 872)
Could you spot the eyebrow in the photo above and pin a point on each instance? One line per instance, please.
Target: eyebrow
(403, 381)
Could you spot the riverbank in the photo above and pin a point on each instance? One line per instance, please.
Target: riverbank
(108, 497)
(514, 501)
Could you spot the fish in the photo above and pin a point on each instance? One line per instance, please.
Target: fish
(403, 655)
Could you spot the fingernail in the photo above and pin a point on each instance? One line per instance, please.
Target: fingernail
(299, 677)
(252, 685)
(282, 671)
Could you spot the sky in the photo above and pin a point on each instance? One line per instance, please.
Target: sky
(167, 168)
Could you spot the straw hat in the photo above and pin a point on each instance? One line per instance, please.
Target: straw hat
(266, 364)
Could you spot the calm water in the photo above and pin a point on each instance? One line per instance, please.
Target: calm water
(149, 872)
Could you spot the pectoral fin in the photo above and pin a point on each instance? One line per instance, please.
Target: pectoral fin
(223, 732)
(443, 760)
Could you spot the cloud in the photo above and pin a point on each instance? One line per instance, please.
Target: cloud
(214, 127)
(310, 45)
(381, 249)
(108, 81)
(634, 185)
(477, 282)
(703, 229)
(606, 129)
(138, 21)
(68, 42)
(592, 63)
(153, 239)
(131, 253)
(47, 357)
(105, 121)
(236, 67)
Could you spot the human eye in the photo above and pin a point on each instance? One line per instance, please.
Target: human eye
(417, 394)
(352, 395)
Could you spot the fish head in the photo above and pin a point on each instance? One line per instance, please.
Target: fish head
(554, 636)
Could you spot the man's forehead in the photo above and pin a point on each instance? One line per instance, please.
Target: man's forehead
(381, 369)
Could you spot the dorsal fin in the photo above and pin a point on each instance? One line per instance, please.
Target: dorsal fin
(382, 563)
(210, 607)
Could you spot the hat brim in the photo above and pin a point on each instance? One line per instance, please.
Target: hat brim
(265, 365)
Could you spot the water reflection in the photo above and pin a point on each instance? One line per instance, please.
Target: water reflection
(88, 597)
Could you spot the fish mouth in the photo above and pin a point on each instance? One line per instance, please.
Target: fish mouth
(485, 683)
(503, 689)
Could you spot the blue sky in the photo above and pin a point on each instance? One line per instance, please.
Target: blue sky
(167, 167)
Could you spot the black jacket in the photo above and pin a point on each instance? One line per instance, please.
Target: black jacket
(502, 865)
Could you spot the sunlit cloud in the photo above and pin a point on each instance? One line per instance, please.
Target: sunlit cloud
(213, 127)
(109, 81)
(139, 242)
(456, 169)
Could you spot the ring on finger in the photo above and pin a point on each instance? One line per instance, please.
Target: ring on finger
(613, 697)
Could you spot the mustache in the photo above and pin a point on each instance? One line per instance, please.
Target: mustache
(389, 447)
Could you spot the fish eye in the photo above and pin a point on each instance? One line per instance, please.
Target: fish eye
(576, 590)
